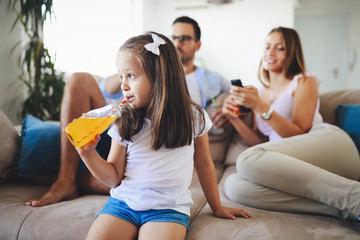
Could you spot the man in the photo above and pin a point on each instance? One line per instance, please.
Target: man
(82, 93)
(203, 85)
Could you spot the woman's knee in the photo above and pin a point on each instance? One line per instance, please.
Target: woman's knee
(246, 161)
(238, 189)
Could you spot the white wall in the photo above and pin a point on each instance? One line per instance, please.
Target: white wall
(10, 91)
(86, 36)
(158, 16)
(350, 7)
(233, 34)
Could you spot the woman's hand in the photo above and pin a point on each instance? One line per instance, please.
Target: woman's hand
(229, 107)
(230, 213)
(247, 96)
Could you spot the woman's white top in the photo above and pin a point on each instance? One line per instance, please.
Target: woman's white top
(157, 179)
(283, 105)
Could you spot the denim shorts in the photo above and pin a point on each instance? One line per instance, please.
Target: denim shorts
(121, 210)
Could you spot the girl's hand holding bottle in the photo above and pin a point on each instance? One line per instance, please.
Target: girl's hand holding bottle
(84, 129)
(88, 148)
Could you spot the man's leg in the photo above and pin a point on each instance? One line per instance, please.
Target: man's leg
(81, 94)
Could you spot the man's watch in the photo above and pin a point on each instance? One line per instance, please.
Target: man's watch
(267, 115)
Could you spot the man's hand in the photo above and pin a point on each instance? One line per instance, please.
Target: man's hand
(219, 119)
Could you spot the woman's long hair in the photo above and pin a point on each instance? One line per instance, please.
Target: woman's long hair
(294, 62)
(170, 108)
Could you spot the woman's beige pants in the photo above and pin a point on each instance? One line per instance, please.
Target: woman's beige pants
(317, 172)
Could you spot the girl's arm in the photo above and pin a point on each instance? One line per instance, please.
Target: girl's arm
(207, 176)
(109, 172)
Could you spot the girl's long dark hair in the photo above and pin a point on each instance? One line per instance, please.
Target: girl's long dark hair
(170, 108)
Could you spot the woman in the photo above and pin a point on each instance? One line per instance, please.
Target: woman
(305, 165)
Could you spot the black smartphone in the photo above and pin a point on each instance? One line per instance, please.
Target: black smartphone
(237, 82)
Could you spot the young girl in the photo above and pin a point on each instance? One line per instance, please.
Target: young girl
(156, 142)
(305, 165)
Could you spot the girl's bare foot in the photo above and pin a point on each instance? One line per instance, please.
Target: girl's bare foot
(60, 190)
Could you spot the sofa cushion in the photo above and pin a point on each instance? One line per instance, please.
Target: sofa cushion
(8, 138)
(219, 140)
(266, 225)
(63, 220)
(39, 147)
(347, 118)
(331, 99)
(237, 143)
(236, 147)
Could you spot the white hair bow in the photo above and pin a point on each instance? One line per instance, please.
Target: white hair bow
(154, 47)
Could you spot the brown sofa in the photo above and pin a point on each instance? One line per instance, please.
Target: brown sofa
(72, 219)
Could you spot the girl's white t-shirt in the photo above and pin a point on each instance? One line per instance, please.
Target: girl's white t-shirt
(157, 179)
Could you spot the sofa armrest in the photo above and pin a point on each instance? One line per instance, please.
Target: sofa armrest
(8, 142)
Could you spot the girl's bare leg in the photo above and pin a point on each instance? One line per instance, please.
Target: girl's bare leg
(109, 227)
(162, 231)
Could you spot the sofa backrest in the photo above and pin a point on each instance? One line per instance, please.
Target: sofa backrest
(331, 99)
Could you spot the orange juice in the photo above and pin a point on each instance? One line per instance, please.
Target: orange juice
(84, 129)
(238, 111)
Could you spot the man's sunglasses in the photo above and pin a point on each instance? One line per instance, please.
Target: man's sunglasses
(183, 38)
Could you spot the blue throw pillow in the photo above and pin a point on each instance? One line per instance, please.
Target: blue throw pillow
(348, 118)
(39, 148)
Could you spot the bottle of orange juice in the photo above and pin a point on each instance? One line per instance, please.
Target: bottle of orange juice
(85, 128)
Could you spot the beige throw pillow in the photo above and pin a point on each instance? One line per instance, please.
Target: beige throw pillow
(8, 139)
(219, 142)
(238, 144)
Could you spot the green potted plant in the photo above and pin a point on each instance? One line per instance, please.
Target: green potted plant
(43, 84)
